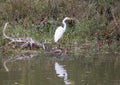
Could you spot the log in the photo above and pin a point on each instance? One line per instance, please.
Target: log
(28, 41)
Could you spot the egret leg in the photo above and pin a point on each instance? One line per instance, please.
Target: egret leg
(58, 45)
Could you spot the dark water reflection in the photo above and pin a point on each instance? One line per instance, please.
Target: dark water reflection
(44, 70)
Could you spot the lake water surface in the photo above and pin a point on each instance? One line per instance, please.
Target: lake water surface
(52, 70)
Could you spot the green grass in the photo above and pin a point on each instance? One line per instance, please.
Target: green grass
(93, 22)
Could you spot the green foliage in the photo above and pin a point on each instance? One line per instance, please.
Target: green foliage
(88, 26)
(39, 19)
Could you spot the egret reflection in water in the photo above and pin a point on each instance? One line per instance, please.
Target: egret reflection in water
(62, 73)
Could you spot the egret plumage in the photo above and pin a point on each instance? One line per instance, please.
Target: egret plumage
(60, 30)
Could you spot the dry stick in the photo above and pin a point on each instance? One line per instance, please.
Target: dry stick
(18, 57)
(26, 41)
(5, 66)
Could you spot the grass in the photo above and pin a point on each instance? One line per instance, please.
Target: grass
(96, 22)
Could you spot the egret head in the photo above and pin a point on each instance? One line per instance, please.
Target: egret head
(66, 18)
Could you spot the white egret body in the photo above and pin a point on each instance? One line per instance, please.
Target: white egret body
(62, 73)
(60, 30)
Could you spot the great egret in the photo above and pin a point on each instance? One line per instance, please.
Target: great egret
(62, 73)
(60, 30)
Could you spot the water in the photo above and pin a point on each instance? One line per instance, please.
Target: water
(51, 70)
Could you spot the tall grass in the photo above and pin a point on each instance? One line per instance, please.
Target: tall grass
(37, 17)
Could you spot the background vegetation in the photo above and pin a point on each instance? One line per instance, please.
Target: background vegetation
(97, 20)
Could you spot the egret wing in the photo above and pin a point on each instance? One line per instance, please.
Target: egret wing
(58, 33)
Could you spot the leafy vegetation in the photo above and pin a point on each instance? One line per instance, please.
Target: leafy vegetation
(96, 21)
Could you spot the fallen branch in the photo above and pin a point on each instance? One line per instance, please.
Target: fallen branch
(22, 56)
(5, 66)
(25, 41)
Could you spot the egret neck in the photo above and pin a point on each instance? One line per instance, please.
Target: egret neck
(64, 24)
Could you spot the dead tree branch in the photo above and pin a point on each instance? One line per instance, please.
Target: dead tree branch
(25, 41)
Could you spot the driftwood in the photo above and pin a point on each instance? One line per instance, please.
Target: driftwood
(22, 56)
(24, 41)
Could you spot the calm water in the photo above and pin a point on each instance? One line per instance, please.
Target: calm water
(51, 70)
